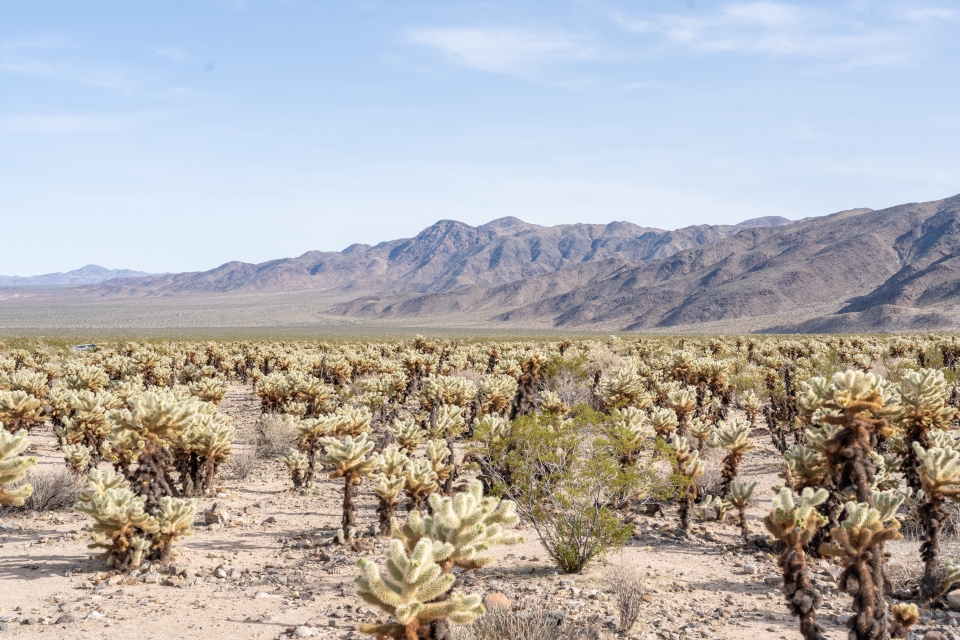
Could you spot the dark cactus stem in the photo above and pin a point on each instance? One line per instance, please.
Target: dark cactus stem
(870, 620)
(731, 462)
(932, 515)
(349, 516)
(385, 512)
(744, 526)
(152, 477)
(802, 597)
(686, 506)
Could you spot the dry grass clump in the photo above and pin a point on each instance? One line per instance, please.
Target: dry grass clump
(274, 435)
(500, 623)
(628, 590)
(54, 489)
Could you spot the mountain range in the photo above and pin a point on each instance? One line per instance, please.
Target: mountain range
(90, 274)
(895, 269)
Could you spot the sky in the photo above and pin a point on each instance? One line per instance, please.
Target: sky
(183, 134)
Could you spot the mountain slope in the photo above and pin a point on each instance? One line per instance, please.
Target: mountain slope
(903, 259)
(443, 257)
(90, 274)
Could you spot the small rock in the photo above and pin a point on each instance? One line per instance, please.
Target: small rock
(749, 568)
(115, 580)
(220, 572)
(773, 581)
(558, 617)
(496, 600)
(303, 632)
(95, 615)
(934, 635)
(269, 520)
(67, 618)
(150, 578)
(953, 600)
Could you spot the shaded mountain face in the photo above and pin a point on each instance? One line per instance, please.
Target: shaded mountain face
(443, 257)
(90, 274)
(858, 270)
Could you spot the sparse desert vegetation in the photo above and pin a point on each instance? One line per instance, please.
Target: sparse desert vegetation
(428, 488)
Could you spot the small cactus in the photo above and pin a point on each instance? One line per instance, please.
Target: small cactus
(13, 468)
(351, 462)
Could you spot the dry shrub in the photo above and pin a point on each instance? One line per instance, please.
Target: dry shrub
(710, 483)
(533, 624)
(244, 462)
(571, 388)
(54, 489)
(627, 587)
(274, 435)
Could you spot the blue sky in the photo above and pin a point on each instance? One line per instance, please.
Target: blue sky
(179, 135)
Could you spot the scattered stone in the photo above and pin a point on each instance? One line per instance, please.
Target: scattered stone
(953, 600)
(95, 615)
(150, 578)
(496, 600)
(749, 568)
(935, 635)
(773, 581)
(303, 632)
(67, 618)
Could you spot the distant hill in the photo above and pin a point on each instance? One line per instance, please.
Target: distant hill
(90, 274)
(895, 269)
(443, 257)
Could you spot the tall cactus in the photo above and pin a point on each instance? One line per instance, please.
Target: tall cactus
(795, 523)
(939, 475)
(734, 437)
(13, 468)
(688, 466)
(411, 592)
(350, 462)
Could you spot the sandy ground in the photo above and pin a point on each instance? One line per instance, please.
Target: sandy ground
(265, 572)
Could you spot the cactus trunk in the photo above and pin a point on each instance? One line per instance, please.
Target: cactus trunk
(932, 516)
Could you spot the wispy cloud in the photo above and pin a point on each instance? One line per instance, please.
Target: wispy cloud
(47, 55)
(841, 34)
(175, 54)
(504, 50)
(64, 123)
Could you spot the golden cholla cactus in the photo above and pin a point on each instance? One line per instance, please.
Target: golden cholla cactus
(174, 519)
(33, 382)
(701, 430)
(121, 527)
(663, 421)
(857, 541)
(19, 410)
(684, 403)
(392, 461)
(210, 441)
(496, 393)
(438, 453)
(299, 465)
(310, 433)
(388, 489)
(628, 433)
(751, 405)
(453, 390)
(803, 467)
(688, 466)
(939, 475)
(350, 461)
(446, 422)
(469, 522)
(352, 421)
(550, 402)
(904, 616)
(734, 437)
(795, 522)
(411, 591)
(295, 408)
(408, 435)
(715, 506)
(91, 378)
(78, 458)
(623, 387)
(13, 468)
(421, 481)
(209, 389)
(491, 428)
(739, 498)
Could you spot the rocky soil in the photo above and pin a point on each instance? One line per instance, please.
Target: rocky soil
(259, 566)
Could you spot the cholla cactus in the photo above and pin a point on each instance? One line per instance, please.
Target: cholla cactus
(524, 403)
(19, 410)
(734, 437)
(939, 474)
(688, 466)
(86, 422)
(78, 458)
(751, 405)
(496, 393)
(209, 389)
(13, 468)
(467, 521)
(857, 542)
(206, 445)
(701, 430)
(438, 453)
(121, 525)
(684, 403)
(299, 466)
(739, 498)
(34, 383)
(156, 420)
(904, 616)
(550, 402)
(795, 523)
(446, 421)
(352, 421)
(408, 435)
(350, 462)
(803, 467)
(311, 432)
(628, 433)
(663, 421)
(491, 428)
(173, 522)
(421, 481)
(410, 592)
(91, 378)
(388, 490)
(624, 387)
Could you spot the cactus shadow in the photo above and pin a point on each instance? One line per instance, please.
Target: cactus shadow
(23, 567)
